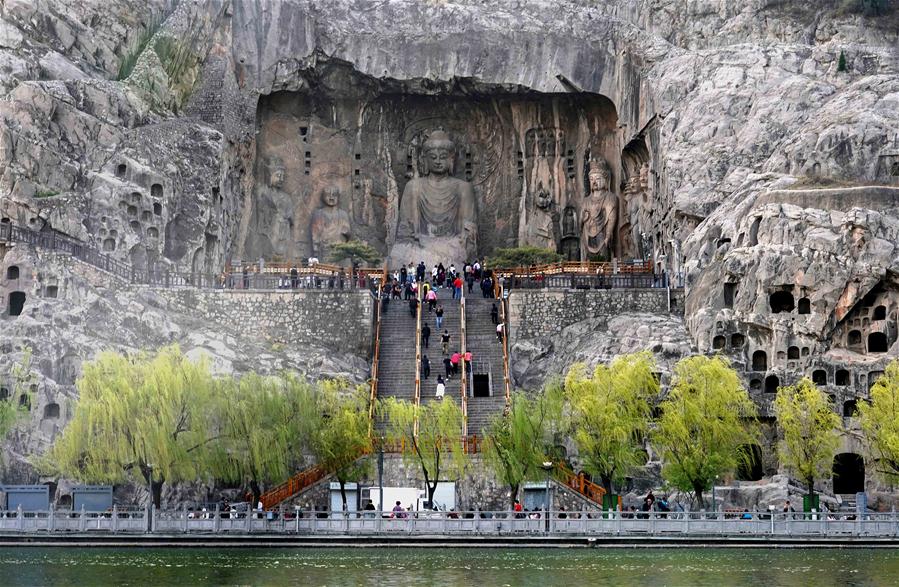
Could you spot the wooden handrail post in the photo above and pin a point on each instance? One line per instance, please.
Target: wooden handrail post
(417, 359)
(463, 388)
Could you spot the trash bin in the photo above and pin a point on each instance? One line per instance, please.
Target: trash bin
(811, 502)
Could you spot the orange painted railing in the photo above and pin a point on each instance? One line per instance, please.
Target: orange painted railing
(471, 444)
(297, 483)
(507, 380)
(463, 387)
(580, 483)
(586, 267)
(376, 354)
(417, 396)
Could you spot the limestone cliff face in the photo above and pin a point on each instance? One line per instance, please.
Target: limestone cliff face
(737, 139)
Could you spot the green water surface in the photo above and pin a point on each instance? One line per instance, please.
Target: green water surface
(483, 567)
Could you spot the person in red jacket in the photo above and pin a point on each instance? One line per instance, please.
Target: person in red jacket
(457, 288)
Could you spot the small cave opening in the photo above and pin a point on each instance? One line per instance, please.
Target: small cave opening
(781, 301)
(854, 337)
(109, 244)
(718, 342)
(755, 384)
(849, 408)
(737, 340)
(730, 292)
(12, 272)
(771, 384)
(157, 208)
(4, 394)
(153, 232)
(16, 303)
(805, 351)
(841, 377)
(880, 313)
(877, 342)
(135, 197)
(848, 473)
(156, 190)
(51, 411)
(804, 306)
(52, 291)
(759, 361)
(25, 401)
(793, 353)
(754, 231)
(819, 377)
(873, 376)
(121, 170)
(749, 462)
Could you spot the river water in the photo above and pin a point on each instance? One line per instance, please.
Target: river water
(484, 567)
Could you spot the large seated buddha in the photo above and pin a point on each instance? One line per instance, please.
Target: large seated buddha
(437, 219)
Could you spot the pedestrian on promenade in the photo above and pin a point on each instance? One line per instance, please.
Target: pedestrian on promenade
(425, 367)
(445, 339)
(441, 387)
(403, 274)
(457, 288)
(407, 290)
(439, 313)
(420, 271)
(477, 269)
(398, 511)
(454, 361)
(494, 314)
(448, 367)
(425, 335)
(432, 300)
(499, 332)
(413, 307)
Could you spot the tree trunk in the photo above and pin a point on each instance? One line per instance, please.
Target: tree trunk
(156, 490)
(342, 492)
(513, 491)
(811, 485)
(257, 493)
(606, 483)
(432, 488)
(698, 490)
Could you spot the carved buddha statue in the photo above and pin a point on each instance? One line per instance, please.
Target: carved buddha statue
(329, 223)
(437, 212)
(599, 215)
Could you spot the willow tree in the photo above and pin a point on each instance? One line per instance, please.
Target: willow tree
(437, 448)
(705, 420)
(610, 413)
(879, 420)
(809, 430)
(520, 440)
(341, 444)
(16, 401)
(143, 414)
(260, 423)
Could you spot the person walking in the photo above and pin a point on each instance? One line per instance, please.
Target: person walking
(441, 387)
(413, 307)
(499, 332)
(420, 271)
(494, 314)
(425, 335)
(454, 361)
(439, 313)
(467, 358)
(445, 340)
(457, 288)
(432, 300)
(448, 367)
(403, 274)
(425, 367)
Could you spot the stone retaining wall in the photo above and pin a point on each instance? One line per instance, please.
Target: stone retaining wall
(541, 313)
(339, 320)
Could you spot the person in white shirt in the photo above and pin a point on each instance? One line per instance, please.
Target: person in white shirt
(441, 387)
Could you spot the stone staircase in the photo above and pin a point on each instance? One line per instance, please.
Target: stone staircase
(487, 359)
(396, 367)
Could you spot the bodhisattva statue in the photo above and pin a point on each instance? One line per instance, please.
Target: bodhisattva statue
(541, 226)
(329, 223)
(599, 214)
(437, 213)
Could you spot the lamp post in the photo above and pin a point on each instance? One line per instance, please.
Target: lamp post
(547, 468)
(381, 476)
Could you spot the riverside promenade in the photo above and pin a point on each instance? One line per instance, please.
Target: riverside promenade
(463, 529)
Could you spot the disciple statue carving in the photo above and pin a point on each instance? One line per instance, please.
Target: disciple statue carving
(329, 223)
(541, 226)
(437, 213)
(599, 213)
(636, 197)
(570, 247)
(273, 210)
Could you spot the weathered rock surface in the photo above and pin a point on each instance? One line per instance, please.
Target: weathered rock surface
(720, 120)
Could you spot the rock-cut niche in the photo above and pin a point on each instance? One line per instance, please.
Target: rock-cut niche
(474, 165)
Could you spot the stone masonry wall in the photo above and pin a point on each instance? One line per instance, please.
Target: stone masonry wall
(541, 313)
(339, 320)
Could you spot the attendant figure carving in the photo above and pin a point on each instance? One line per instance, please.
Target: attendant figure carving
(329, 223)
(599, 212)
(541, 228)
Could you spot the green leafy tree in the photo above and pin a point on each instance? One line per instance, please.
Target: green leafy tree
(146, 413)
(260, 423)
(705, 420)
(522, 257)
(341, 444)
(841, 63)
(518, 442)
(354, 251)
(15, 404)
(809, 429)
(437, 447)
(610, 412)
(879, 420)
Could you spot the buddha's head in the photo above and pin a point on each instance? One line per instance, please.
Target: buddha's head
(330, 196)
(439, 150)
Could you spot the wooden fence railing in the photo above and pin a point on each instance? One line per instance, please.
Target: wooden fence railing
(579, 483)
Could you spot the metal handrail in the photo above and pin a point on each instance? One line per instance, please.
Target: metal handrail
(417, 357)
(376, 356)
(499, 293)
(463, 388)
